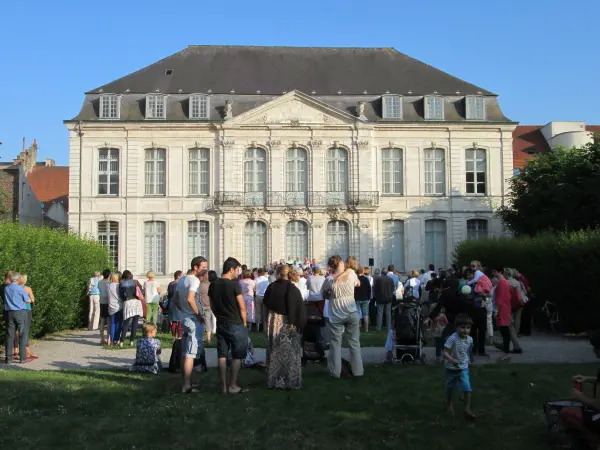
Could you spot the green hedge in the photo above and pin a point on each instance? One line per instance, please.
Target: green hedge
(58, 266)
(562, 268)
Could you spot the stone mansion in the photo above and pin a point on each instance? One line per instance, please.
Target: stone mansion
(267, 152)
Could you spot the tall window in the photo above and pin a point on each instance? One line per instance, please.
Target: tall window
(198, 166)
(477, 229)
(108, 171)
(199, 106)
(155, 171)
(197, 238)
(338, 239)
(155, 106)
(475, 106)
(337, 175)
(475, 169)
(296, 238)
(109, 106)
(393, 243)
(392, 107)
(434, 107)
(255, 242)
(255, 175)
(295, 176)
(108, 235)
(391, 168)
(435, 171)
(154, 247)
(435, 242)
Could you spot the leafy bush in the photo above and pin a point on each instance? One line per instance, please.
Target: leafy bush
(562, 268)
(58, 266)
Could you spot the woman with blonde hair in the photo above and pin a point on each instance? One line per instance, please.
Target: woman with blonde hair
(343, 316)
(286, 318)
(411, 287)
(352, 263)
(23, 281)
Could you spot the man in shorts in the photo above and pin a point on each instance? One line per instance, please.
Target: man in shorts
(188, 301)
(228, 306)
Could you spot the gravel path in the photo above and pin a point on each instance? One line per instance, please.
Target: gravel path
(80, 350)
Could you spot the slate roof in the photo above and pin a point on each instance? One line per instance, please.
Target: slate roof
(273, 70)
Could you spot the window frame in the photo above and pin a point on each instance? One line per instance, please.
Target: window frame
(330, 248)
(444, 172)
(154, 248)
(391, 160)
(475, 183)
(389, 229)
(150, 112)
(479, 233)
(108, 172)
(384, 104)
(297, 231)
(427, 109)
(255, 252)
(469, 113)
(198, 162)
(110, 97)
(433, 232)
(199, 98)
(104, 237)
(155, 163)
(198, 235)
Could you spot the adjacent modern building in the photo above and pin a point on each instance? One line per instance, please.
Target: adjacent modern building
(267, 152)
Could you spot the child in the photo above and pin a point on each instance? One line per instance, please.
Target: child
(147, 353)
(438, 325)
(152, 298)
(456, 354)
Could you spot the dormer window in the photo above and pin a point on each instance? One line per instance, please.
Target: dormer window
(155, 106)
(475, 106)
(110, 106)
(434, 107)
(392, 107)
(199, 106)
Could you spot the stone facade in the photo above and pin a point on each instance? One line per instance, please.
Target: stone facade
(293, 120)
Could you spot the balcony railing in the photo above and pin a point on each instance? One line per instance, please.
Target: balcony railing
(368, 199)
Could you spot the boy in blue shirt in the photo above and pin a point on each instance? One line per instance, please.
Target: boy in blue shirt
(456, 354)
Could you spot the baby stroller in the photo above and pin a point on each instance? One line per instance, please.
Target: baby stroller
(313, 336)
(407, 324)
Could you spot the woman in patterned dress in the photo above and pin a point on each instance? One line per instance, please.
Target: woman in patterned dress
(248, 288)
(286, 318)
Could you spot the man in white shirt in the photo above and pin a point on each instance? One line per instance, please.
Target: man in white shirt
(262, 283)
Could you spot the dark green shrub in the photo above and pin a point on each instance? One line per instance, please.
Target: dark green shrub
(562, 268)
(58, 266)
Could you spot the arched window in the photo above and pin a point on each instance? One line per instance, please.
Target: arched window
(393, 244)
(108, 235)
(198, 238)
(255, 176)
(337, 176)
(155, 168)
(295, 176)
(391, 168)
(296, 239)
(477, 229)
(154, 247)
(435, 171)
(435, 242)
(255, 242)
(198, 168)
(338, 239)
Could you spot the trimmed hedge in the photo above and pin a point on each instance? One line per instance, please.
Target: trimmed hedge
(562, 268)
(58, 266)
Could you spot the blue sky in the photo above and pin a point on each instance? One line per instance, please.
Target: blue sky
(541, 57)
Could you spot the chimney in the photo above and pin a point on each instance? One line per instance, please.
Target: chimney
(50, 162)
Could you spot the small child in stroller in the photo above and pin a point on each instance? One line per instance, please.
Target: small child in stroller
(313, 338)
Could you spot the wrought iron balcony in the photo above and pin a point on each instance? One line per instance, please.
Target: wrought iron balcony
(366, 199)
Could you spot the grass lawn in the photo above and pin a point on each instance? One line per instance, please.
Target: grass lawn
(370, 339)
(399, 407)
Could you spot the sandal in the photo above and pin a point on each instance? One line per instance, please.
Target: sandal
(190, 390)
(241, 391)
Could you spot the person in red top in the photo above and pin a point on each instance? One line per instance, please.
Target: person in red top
(503, 313)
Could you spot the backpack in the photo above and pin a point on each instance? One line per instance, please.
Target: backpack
(176, 355)
(516, 299)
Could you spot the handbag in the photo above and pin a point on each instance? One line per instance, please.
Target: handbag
(138, 291)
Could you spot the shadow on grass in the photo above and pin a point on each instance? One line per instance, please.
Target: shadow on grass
(390, 407)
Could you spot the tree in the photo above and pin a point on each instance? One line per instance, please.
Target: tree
(557, 191)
